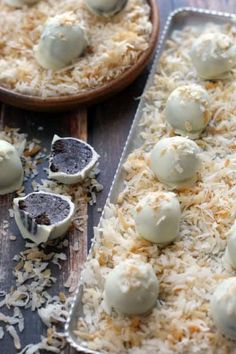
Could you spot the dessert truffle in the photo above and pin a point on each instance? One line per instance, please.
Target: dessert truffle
(223, 306)
(11, 171)
(42, 216)
(20, 3)
(231, 246)
(157, 217)
(131, 288)
(106, 7)
(213, 54)
(175, 161)
(61, 43)
(71, 160)
(187, 110)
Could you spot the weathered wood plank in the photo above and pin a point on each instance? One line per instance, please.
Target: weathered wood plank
(64, 124)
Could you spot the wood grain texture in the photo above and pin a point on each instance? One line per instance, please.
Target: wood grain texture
(107, 127)
(67, 124)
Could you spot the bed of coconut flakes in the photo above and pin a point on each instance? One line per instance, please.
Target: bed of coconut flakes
(189, 269)
(32, 270)
(114, 45)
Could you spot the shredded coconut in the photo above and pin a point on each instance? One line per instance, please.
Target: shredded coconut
(115, 44)
(189, 269)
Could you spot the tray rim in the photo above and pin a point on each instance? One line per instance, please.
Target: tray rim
(160, 45)
(91, 96)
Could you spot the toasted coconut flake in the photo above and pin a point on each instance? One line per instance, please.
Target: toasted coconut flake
(1, 332)
(33, 271)
(11, 330)
(115, 44)
(182, 322)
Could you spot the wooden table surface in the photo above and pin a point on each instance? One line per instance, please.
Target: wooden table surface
(105, 126)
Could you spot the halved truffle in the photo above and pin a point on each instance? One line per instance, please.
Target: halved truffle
(71, 160)
(42, 216)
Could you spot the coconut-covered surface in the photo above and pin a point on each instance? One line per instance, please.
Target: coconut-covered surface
(189, 269)
(114, 45)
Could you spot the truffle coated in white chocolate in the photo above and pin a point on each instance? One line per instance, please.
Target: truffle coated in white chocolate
(213, 54)
(71, 157)
(157, 217)
(11, 171)
(61, 43)
(223, 307)
(187, 110)
(231, 246)
(176, 162)
(20, 3)
(106, 7)
(42, 232)
(131, 288)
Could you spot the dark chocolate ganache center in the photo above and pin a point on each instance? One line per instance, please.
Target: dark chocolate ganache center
(44, 209)
(69, 156)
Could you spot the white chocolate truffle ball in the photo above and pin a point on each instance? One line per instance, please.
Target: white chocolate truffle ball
(131, 288)
(187, 110)
(223, 306)
(213, 54)
(11, 171)
(106, 7)
(20, 3)
(231, 246)
(61, 43)
(175, 161)
(157, 217)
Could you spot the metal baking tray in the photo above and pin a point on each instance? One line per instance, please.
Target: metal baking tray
(187, 16)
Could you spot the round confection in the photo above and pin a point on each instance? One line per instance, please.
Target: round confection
(41, 216)
(231, 246)
(11, 171)
(213, 54)
(20, 3)
(62, 42)
(223, 306)
(187, 110)
(175, 161)
(157, 217)
(106, 7)
(71, 160)
(131, 288)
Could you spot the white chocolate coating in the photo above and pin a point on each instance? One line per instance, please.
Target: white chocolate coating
(175, 161)
(68, 178)
(223, 306)
(231, 246)
(213, 54)
(157, 217)
(187, 110)
(11, 171)
(20, 3)
(106, 7)
(44, 232)
(131, 288)
(62, 42)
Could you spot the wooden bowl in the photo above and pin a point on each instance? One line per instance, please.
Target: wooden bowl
(57, 103)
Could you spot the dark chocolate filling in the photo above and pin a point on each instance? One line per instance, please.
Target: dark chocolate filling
(43, 209)
(69, 156)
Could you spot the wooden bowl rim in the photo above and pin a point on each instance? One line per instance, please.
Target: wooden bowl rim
(91, 95)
